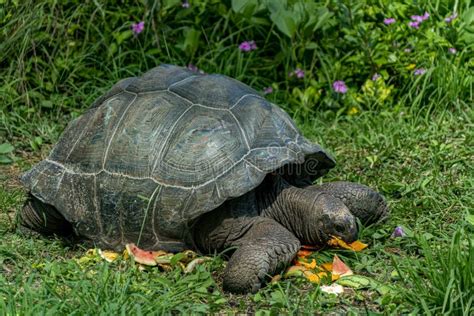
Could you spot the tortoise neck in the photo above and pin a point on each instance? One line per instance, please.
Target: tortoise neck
(286, 204)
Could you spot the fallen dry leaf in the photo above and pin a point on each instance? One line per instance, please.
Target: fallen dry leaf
(192, 265)
(276, 278)
(165, 267)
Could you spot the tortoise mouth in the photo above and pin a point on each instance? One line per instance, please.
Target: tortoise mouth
(345, 230)
(323, 237)
(320, 238)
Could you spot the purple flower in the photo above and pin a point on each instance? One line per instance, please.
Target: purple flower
(420, 18)
(389, 21)
(376, 76)
(247, 46)
(267, 90)
(185, 4)
(419, 71)
(195, 69)
(417, 18)
(414, 24)
(339, 86)
(452, 50)
(298, 73)
(398, 232)
(137, 28)
(450, 18)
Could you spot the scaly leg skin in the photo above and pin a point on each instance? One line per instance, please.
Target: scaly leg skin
(39, 217)
(262, 246)
(363, 202)
(266, 247)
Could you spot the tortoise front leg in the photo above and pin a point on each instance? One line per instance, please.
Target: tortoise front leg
(363, 202)
(262, 246)
(266, 247)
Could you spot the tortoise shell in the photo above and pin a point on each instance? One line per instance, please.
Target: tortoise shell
(157, 151)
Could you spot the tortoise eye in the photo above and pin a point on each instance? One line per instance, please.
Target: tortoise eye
(339, 228)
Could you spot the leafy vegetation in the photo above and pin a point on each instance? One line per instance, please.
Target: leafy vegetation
(383, 85)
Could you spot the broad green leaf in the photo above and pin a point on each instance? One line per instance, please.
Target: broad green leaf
(323, 17)
(355, 281)
(363, 282)
(167, 4)
(470, 219)
(6, 148)
(153, 51)
(123, 36)
(311, 45)
(36, 143)
(468, 16)
(259, 21)
(284, 22)
(275, 6)
(245, 7)
(47, 104)
(112, 49)
(467, 38)
(191, 41)
(176, 258)
(5, 159)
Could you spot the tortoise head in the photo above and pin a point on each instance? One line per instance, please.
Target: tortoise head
(320, 216)
(329, 217)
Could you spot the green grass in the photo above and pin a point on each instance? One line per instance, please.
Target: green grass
(416, 147)
(421, 165)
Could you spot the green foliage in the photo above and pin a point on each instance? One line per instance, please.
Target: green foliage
(57, 57)
(6, 150)
(442, 280)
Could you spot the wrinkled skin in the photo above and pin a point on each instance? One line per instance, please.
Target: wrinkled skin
(282, 218)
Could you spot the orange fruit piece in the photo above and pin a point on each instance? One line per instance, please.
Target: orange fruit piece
(355, 246)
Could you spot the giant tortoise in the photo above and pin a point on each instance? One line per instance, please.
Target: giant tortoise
(176, 159)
